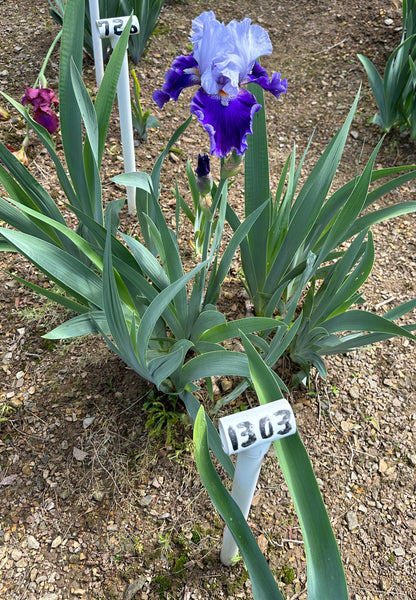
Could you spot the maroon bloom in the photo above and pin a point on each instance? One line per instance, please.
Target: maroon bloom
(42, 100)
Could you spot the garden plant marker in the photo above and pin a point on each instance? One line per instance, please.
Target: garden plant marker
(112, 29)
(96, 42)
(249, 434)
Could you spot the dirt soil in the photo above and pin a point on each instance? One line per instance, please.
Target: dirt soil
(95, 505)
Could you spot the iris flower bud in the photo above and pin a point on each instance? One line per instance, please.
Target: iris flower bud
(4, 115)
(204, 177)
(19, 154)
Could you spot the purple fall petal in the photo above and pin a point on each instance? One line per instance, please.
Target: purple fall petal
(183, 73)
(275, 85)
(47, 118)
(161, 98)
(227, 124)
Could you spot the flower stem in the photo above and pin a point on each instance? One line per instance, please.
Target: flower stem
(41, 79)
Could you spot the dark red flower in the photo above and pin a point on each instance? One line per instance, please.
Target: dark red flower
(42, 100)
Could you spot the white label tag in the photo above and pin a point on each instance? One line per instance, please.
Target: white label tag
(114, 27)
(250, 428)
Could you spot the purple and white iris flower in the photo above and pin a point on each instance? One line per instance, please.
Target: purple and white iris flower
(223, 60)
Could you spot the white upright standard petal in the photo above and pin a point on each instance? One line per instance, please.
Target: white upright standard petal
(198, 26)
(250, 42)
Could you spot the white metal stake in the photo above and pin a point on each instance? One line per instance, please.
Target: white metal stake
(246, 474)
(112, 28)
(96, 42)
(250, 433)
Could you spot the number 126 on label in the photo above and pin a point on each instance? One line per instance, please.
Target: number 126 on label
(249, 428)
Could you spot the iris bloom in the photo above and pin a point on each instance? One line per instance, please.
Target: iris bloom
(222, 62)
(42, 100)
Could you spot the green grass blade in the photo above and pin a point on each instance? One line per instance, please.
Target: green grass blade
(21, 184)
(214, 364)
(85, 324)
(104, 101)
(147, 262)
(164, 366)
(380, 216)
(86, 109)
(339, 286)
(377, 86)
(115, 315)
(214, 284)
(210, 317)
(80, 243)
(89, 118)
(350, 210)
(192, 406)
(18, 220)
(159, 163)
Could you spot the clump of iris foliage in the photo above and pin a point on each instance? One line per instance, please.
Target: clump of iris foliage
(161, 318)
(395, 93)
(147, 11)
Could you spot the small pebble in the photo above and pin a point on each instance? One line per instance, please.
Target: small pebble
(16, 554)
(146, 500)
(412, 459)
(98, 495)
(354, 390)
(56, 542)
(87, 422)
(352, 520)
(32, 543)
(78, 454)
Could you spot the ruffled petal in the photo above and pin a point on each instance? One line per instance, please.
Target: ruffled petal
(249, 42)
(47, 118)
(199, 24)
(210, 49)
(227, 124)
(275, 85)
(183, 73)
(40, 97)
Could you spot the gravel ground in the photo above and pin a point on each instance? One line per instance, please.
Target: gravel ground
(95, 506)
